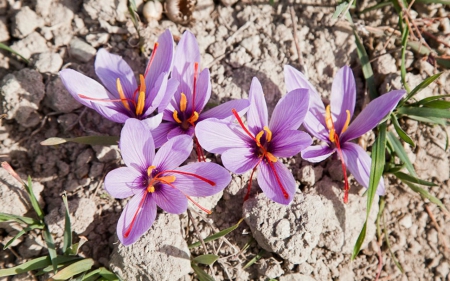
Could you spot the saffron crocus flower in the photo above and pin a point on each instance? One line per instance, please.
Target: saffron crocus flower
(122, 97)
(194, 90)
(332, 125)
(259, 145)
(156, 180)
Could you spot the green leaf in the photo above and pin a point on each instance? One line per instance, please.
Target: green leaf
(406, 177)
(67, 228)
(400, 152)
(34, 202)
(429, 99)
(359, 241)
(217, 235)
(61, 261)
(425, 112)
(4, 47)
(405, 33)
(402, 134)
(103, 272)
(73, 269)
(34, 264)
(444, 62)
(91, 140)
(420, 87)
(339, 9)
(201, 274)
(425, 194)
(441, 104)
(255, 259)
(445, 2)
(366, 67)
(22, 232)
(432, 120)
(50, 247)
(206, 259)
(26, 220)
(419, 47)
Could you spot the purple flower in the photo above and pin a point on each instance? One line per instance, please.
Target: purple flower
(260, 145)
(332, 124)
(123, 98)
(194, 90)
(157, 180)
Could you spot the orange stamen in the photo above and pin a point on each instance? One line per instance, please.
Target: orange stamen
(328, 118)
(130, 227)
(175, 117)
(210, 182)
(121, 94)
(141, 97)
(183, 102)
(193, 118)
(268, 134)
(346, 121)
(150, 170)
(155, 47)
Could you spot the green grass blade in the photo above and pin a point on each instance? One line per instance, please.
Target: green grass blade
(206, 259)
(34, 202)
(420, 87)
(405, 33)
(255, 259)
(50, 247)
(432, 120)
(445, 2)
(366, 67)
(6, 48)
(26, 220)
(73, 269)
(444, 129)
(440, 104)
(217, 235)
(67, 228)
(400, 152)
(425, 194)
(429, 99)
(34, 264)
(108, 275)
(425, 112)
(22, 232)
(91, 140)
(339, 9)
(201, 274)
(61, 262)
(359, 241)
(402, 134)
(406, 177)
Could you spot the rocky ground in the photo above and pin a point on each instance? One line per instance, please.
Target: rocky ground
(310, 240)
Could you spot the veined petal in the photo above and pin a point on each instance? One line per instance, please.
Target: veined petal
(139, 214)
(178, 131)
(223, 111)
(317, 153)
(109, 67)
(171, 88)
(193, 186)
(136, 145)
(170, 199)
(289, 143)
(257, 116)
(186, 55)
(155, 95)
(343, 97)
(371, 116)
(290, 111)
(216, 136)
(268, 182)
(163, 59)
(110, 112)
(239, 160)
(358, 163)
(314, 124)
(174, 152)
(160, 133)
(203, 90)
(295, 79)
(123, 182)
(153, 122)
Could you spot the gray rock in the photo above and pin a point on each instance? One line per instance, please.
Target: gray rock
(48, 62)
(24, 22)
(31, 247)
(97, 40)
(21, 93)
(269, 223)
(58, 98)
(43, 7)
(160, 254)
(4, 34)
(309, 175)
(81, 50)
(106, 153)
(60, 15)
(108, 10)
(32, 44)
(385, 64)
(270, 268)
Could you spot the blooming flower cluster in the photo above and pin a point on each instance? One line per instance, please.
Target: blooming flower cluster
(165, 110)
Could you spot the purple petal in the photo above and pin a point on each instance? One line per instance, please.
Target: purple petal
(136, 145)
(186, 55)
(217, 136)
(223, 111)
(174, 152)
(160, 133)
(289, 143)
(178, 131)
(372, 114)
(139, 213)
(109, 67)
(203, 90)
(290, 111)
(153, 122)
(358, 163)
(170, 199)
(123, 182)
(239, 160)
(171, 88)
(317, 153)
(257, 111)
(110, 113)
(343, 97)
(193, 186)
(295, 79)
(268, 182)
(154, 96)
(162, 61)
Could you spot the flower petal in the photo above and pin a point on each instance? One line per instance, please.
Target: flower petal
(139, 213)
(216, 136)
(109, 67)
(186, 55)
(160, 133)
(317, 153)
(290, 111)
(162, 61)
(153, 122)
(193, 186)
(358, 163)
(170, 199)
(239, 160)
(154, 96)
(171, 88)
(223, 111)
(136, 145)
(110, 113)
(178, 131)
(289, 143)
(257, 116)
(372, 114)
(123, 182)
(174, 152)
(203, 90)
(268, 182)
(295, 79)
(343, 97)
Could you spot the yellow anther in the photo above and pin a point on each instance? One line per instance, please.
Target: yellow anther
(167, 179)
(193, 118)
(258, 138)
(328, 118)
(150, 170)
(183, 102)
(346, 121)
(175, 117)
(121, 94)
(332, 135)
(268, 134)
(271, 157)
(151, 188)
(141, 98)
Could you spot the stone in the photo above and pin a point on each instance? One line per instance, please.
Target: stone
(31, 247)
(406, 221)
(61, 15)
(43, 7)
(58, 98)
(385, 64)
(4, 34)
(98, 39)
(107, 10)
(289, 231)
(21, 93)
(81, 50)
(270, 268)
(160, 254)
(309, 175)
(48, 62)
(24, 22)
(106, 153)
(32, 44)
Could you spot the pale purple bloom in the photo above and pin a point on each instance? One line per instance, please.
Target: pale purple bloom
(194, 90)
(156, 180)
(122, 97)
(263, 142)
(340, 112)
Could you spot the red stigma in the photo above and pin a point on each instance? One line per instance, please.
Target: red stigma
(130, 227)
(344, 169)
(155, 47)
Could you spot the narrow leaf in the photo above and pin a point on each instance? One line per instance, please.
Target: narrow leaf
(400, 152)
(441, 104)
(255, 259)
(406, 177)
(73, 269)
(34, 202)
(425, 112)
(444, 62)
(201, 274)
(206, 259)
(429, 99)
(359, 241)
(91, 140)
(34, 264)
(402, 134)
(425, 194)
(67, 228)
(217, 235)
(432, 120)
(108, 275)
(421, 86)
(8, 217)
(366, 67)
(22, 232)
(405, 33)
(339, 9)
(50, 247)
(4, 47)
(61, 261)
